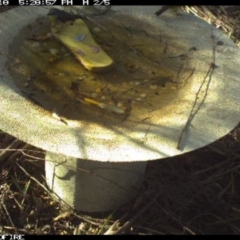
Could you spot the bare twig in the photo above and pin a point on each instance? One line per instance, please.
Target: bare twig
(4, 190)
(34, 179)
(196, 107)
(129, 223)
(7, 151)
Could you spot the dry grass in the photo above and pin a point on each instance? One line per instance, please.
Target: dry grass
(196, 193)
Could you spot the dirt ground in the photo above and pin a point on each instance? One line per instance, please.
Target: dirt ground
(192, 194)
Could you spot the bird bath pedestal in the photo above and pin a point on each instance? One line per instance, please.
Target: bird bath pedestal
(177, 96)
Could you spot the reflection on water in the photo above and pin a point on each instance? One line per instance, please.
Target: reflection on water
(145, 78)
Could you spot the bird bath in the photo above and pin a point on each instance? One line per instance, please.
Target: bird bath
(173, 89)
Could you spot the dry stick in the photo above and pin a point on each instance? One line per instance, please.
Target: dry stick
(34, 179)
(27, 231)
(41, 185)
(192, 10)
(2, 205)
(10, 220)
(193, 111)
(131, 220)
(177, 221)
(234, 25)
(162, 10)
(6, 152)
(149, 230)
(115, 225)
(86, 220)
(220, 175)
(22, 151)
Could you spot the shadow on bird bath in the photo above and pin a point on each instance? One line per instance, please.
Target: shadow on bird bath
(166, 94)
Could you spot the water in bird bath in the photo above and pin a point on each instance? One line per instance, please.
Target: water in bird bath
(147, 75)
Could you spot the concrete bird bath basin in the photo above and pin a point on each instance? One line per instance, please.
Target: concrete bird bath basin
(173, 89)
